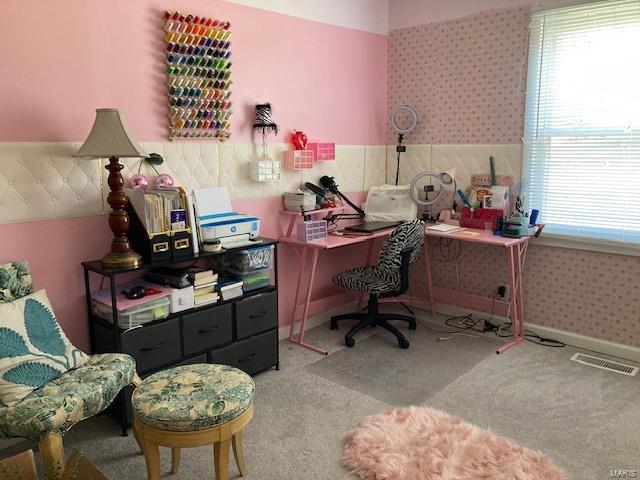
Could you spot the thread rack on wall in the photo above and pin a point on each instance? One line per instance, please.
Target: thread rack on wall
(198, 59)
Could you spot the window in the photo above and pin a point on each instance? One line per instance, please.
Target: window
(582, 122)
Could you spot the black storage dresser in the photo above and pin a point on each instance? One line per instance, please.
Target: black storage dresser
(242, 332)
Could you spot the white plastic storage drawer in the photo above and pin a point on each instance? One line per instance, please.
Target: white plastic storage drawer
(134, 316)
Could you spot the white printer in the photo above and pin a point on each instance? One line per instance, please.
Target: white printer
(217, 220)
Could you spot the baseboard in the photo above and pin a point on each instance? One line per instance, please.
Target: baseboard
(574, 339)
(320, 319)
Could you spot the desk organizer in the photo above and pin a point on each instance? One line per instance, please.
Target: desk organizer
(312, 230)
(298, 159)
(479, 217)
(323, 152)
(198, 70)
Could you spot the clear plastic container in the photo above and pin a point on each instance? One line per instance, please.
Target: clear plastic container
(251, 259)
(253, 280)
(134, 316)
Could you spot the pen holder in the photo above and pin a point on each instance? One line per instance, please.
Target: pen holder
(479, 217)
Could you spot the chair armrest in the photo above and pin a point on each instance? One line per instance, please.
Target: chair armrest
(135, 380)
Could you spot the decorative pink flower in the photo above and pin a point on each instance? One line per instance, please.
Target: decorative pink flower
(163, 181)
(139, 182)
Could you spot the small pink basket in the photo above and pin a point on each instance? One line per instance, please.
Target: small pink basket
(324, 152)
(298, 159)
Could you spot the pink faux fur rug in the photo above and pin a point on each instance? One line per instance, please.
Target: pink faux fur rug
(419, 443)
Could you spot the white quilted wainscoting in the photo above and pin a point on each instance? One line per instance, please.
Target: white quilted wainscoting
(194, 164)
(43, 181)
(347, 168)
(474, 159)
(375, 161)
(468, 160)
(416, 159)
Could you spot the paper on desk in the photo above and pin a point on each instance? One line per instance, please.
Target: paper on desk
(211, 201)
(444, 227)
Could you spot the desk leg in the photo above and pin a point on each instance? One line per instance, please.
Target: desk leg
(292, 222)
(522, 252)
(427, 266)
(305, 313)
(514, 269)
(303, 258)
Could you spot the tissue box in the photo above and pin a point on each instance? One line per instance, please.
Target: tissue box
(181, 299)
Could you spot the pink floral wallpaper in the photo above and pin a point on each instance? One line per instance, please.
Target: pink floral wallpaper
(590, 293)
(465, 77)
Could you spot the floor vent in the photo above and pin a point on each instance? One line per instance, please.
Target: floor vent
(605, 364)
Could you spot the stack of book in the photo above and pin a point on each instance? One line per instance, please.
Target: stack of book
(230, 288)
(204, 286)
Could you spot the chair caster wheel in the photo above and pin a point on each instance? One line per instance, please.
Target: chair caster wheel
(404, 343)
(334, 325)
(412, 326)
(350, 342)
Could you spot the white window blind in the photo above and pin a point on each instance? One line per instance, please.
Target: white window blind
(582, 122)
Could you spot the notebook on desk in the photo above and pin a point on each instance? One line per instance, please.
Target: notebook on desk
(370, 227)
(444, 228)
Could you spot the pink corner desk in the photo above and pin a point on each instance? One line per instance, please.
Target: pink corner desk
(308, 253)
(516, 249)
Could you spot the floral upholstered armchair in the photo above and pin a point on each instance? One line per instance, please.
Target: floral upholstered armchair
(44, 414)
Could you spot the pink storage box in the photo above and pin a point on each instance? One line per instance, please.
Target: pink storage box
(312, 230)
(323, 152)
(298, 159)
(480, 217)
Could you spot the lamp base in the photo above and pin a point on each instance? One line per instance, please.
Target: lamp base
(126, 260)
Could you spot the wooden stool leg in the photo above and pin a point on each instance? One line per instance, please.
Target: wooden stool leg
(221, 459)
(136, 435)
(175, 460)
(152, 459)
(238, 453)
(52, 453)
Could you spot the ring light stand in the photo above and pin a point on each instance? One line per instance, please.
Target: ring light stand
(400, 148)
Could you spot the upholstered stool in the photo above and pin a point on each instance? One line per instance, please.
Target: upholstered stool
(192, 406)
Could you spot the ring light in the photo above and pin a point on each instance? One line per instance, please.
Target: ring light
(412, 115)
(445, 179)
(413, 122)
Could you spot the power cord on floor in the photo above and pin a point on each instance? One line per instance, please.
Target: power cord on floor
(465, 323)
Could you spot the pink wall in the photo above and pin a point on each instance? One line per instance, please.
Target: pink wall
(70, 56)
(77, 55)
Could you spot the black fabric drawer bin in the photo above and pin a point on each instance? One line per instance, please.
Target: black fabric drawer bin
(252, 355)
(256, 314)
(206, 329)
(153, 346)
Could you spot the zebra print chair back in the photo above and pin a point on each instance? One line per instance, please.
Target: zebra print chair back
(408, 236)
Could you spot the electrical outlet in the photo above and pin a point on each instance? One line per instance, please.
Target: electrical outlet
(503, 290)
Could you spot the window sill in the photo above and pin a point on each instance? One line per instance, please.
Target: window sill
(589, 244)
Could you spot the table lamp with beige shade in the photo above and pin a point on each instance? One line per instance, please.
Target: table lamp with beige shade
(110, 138)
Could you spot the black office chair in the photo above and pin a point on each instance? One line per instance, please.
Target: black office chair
(389, 278)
